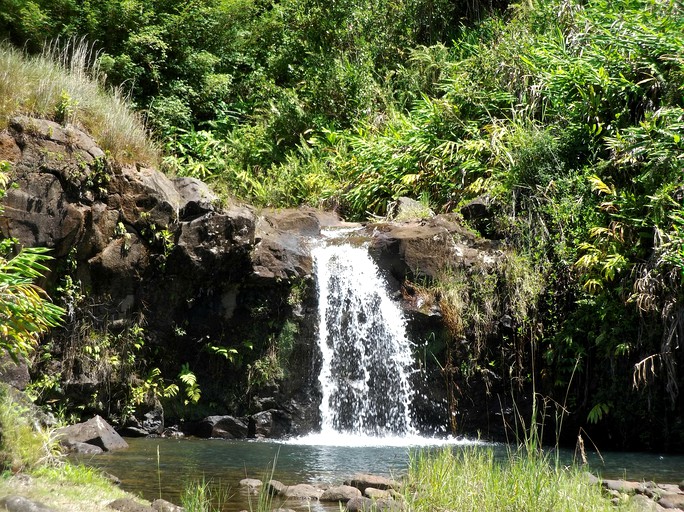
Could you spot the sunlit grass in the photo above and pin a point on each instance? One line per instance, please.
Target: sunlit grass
(23, 445)
(204, 496)
(473, 479)
(62, 86)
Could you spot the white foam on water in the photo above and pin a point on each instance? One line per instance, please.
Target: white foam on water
(364, 441)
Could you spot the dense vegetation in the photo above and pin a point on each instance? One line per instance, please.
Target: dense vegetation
(565, 118)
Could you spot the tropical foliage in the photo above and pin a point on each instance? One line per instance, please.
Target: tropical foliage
(25, 309)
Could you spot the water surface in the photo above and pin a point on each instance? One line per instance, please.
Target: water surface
(314, 460)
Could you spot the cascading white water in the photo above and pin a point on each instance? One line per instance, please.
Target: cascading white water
(367, 356)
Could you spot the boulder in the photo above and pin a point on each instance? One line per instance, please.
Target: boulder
(144, 196)
(275, 487)
(95, 431)
(641, 503)
(129, 505)
(369, 505)
(21, 504)
(423, 249)
(301, 492)
(166, 506)
(623, 486)
(672, 500)
(251, 483)
(81, 448)
(270, 424)
(340, 493)
(478, 208)
(363, 481)
(14, 373)
(196, 198)
(377, 494)
(225, 427)
(281, 252)
(148, 419)
(294, 221)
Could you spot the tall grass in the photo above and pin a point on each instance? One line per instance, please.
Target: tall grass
(23, 445)
(474, 479)
(204, 496)
(62, 84)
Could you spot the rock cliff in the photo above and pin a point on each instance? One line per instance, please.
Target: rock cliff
(201, 284)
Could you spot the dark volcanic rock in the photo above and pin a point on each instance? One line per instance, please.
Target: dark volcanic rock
(148, 250)
(422, 249)
(196, 198)
(226, 427)
(280, 251)
(14, 373)
(270, 424)
(81, 448)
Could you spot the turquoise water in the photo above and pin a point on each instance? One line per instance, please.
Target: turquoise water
(225, 463)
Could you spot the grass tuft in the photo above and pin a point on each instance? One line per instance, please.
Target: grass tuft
(204, 496)
(63, 85)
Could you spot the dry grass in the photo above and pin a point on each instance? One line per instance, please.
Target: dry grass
(63, 85)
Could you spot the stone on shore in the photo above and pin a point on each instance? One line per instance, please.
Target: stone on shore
(377, 494)
(166, 506)
(340, 493)
(251, 483)
(21, 504)
(96, 431)
(672, 501)
(363, 481)
(368, 505)
(129, 505)
(302, 492)
(275, 487)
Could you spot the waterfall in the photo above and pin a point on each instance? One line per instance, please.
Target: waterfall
(366, 354)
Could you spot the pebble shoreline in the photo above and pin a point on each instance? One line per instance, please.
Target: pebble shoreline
(366, 493)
